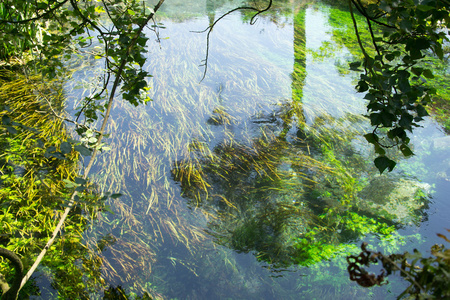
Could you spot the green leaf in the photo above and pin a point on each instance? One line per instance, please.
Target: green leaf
(108, 209)
(382, 163)
(396, 132)
(80, 180)
(83, 150)
(379, 150)
(406, 120)
(387, 118)
(70, 184)
(427, 73)
(421, 111)
(370, 97)
(11, 129)
(6, 120)
(406, 150)
(362, 86)
(80, 188)
(375, 119)
(417, 71)
(354, 66)
(371, 138)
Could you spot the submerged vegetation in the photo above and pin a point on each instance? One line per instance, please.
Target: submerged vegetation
(34, 188)
(217, 189)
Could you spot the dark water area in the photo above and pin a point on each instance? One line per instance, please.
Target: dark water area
(256, 182)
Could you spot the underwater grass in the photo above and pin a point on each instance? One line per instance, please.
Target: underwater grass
(33, 192)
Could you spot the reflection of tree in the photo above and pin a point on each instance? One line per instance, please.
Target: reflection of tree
(211, 7)
(299, 73)
(288, 201)
(278, 10)
(289, 197)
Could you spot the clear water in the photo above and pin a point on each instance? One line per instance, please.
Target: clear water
(175, 245)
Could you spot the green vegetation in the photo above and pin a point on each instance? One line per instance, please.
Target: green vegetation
(393, 77)
(34, 188)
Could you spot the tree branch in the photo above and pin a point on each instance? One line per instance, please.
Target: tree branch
(10, 293)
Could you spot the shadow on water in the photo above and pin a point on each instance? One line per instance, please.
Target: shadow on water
(254, 183)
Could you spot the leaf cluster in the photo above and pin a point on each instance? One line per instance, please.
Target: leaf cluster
(54, 32)
(403, 33)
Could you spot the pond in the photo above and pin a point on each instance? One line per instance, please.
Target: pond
(255, 182)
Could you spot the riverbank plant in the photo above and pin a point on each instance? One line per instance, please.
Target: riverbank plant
(34, 190)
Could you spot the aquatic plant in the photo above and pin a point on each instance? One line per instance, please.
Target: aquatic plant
(33, 185)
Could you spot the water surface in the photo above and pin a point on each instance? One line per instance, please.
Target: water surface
(225, 178)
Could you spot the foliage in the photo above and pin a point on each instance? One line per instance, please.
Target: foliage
(440, 106)
(71, 27)
(125, 62)
(15, 40)
(428, 276)
(393, 76)
(32, 192)
(286, 204)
